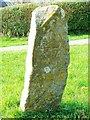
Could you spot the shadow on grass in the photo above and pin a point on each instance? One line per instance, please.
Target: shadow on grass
(70, 110)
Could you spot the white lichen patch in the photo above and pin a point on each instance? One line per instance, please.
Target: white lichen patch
(47, 69)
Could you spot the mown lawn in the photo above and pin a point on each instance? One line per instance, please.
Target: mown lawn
(74, 101)
(79, 36)
(6, 41)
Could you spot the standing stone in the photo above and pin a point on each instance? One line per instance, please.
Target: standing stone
(47, 60)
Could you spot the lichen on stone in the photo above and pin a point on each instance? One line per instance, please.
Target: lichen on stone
(47, 60)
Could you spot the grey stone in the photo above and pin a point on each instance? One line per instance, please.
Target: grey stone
(47, 60)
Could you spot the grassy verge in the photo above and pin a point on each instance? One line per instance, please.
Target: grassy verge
(75, 98)
(80, 36)
(6, 41)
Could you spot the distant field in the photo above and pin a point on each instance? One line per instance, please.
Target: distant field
(6, 41)
(75, 98)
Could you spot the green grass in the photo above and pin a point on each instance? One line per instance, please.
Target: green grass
(79, 36)
(74, 101)
(6, 41)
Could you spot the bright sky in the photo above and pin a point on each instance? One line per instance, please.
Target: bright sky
(8, 0)
(71, 0)
(49, 0)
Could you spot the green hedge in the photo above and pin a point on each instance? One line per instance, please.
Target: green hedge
(78, 20)
(16, 20)
(77, 13)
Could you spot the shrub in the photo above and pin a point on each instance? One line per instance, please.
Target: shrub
(16, 19)
(77, 15)
(78, 20)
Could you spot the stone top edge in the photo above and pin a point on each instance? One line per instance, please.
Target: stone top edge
(45, 7)
(43, 14)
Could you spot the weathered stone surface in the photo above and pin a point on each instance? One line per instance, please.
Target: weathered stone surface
(47, 59)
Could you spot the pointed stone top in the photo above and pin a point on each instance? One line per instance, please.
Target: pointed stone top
(42, 14)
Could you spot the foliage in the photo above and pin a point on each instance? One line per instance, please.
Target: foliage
(75, 97)
(16, 19)
(78, 20)
(77, 13)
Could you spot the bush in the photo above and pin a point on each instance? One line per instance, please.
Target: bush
(16, 20)
(78, 20)
(77, 15)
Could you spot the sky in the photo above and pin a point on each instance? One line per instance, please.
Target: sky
(57, 0)
(50, 0)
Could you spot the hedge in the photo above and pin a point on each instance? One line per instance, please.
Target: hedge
(16, 19)
(78, 13)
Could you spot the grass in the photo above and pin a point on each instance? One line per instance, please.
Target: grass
(78, 36)
(6, 41)
(75, 98)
